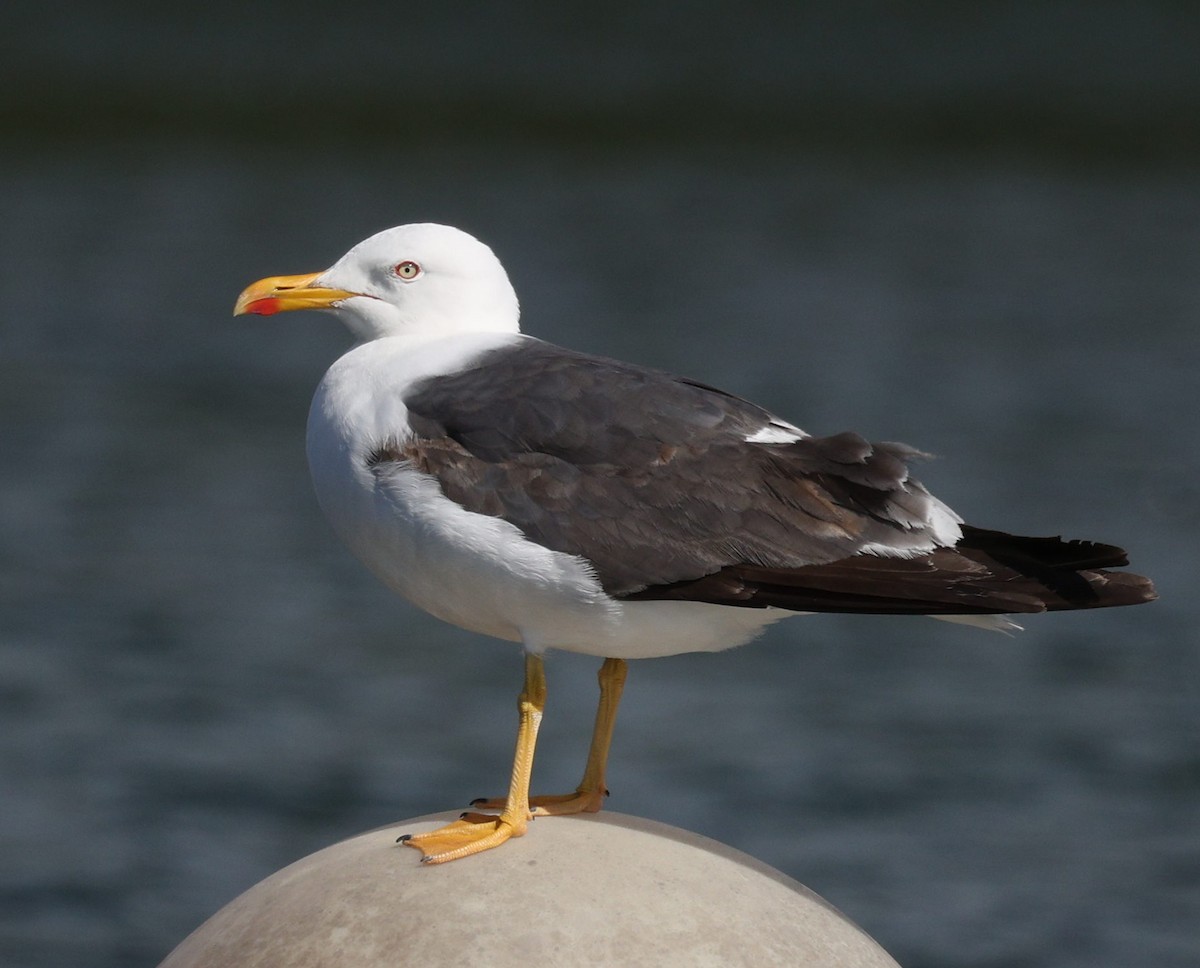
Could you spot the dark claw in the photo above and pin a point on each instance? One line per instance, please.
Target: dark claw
(476, 802)
(403, 837)
(463, 815)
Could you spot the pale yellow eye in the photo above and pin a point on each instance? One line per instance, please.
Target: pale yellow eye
(407, 270)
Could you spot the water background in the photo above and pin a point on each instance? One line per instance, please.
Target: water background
(974, 228)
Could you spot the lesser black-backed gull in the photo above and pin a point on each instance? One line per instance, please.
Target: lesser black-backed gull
(568, 501)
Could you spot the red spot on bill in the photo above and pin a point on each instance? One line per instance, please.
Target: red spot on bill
(264, 307)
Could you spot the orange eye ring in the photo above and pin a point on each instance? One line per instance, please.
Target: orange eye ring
(407, 270)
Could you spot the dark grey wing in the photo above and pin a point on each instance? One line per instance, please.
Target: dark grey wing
(650, 477)
(986, 573)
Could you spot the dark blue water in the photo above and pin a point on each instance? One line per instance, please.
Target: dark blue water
(198, 685)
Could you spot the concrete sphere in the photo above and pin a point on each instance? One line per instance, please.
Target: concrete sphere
(600, 889)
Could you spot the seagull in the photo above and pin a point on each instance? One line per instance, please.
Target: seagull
(567, 501)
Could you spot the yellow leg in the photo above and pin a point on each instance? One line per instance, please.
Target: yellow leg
(473, 833)
(589, 795)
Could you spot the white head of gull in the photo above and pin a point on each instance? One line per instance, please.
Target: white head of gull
(421, 279)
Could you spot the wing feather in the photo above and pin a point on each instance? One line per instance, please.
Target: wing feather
(651, 478)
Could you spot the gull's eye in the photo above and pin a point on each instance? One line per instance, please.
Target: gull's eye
(407, 270)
